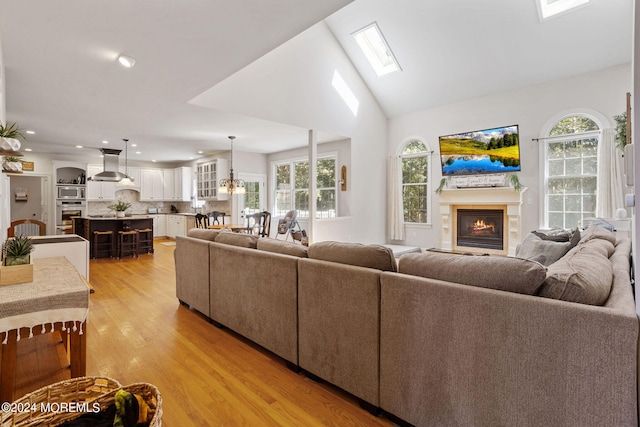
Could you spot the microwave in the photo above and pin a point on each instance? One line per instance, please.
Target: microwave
(70, 192)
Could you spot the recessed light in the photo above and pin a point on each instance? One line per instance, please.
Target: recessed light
(28, 149)
(138, 152)
(200, 152)
(126, 61)
(79, 146)
(154, 161)
(30, 132)
(105, 142)
(134, 145)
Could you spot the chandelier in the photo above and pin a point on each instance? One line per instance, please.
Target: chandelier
(231, 185)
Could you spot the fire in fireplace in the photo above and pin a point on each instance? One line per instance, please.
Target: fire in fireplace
(480, 228)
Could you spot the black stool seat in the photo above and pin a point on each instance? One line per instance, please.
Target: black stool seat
(145, 240)
(127, 243)
(102, 243)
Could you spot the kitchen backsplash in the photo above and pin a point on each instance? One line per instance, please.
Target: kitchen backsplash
(140, 208)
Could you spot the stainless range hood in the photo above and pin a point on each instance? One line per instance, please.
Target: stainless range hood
(111, 165)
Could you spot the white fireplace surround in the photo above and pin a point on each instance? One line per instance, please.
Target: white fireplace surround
(505, 198)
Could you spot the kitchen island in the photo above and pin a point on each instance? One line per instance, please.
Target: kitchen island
(84, 226)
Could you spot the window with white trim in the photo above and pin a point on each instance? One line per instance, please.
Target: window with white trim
(416, 194)
(571, 171)
(292, 187)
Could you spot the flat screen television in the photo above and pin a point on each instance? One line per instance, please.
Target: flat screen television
(484, 151)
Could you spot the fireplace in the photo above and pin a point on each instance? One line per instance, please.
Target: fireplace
(480, 228)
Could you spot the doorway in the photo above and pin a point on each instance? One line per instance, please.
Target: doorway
(254, 200)
(29, 198)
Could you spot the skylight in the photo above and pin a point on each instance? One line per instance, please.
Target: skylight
(376, 49)
(551, 8)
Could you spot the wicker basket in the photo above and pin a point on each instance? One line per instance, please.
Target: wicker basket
(27, 408)
(100, 394)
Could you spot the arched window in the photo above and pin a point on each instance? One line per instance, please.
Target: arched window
(416, 194)
(571, 171)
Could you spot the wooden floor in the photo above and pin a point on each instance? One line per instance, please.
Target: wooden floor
(138, 332)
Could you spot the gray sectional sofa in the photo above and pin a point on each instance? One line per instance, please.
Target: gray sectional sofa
(434, 339)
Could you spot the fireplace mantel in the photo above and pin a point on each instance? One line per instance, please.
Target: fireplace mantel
(478, 198)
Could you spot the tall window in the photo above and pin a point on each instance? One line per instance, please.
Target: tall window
(571, 159)
(292, 188)
(415, 182)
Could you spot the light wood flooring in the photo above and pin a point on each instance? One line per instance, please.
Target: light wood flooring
(138, 332)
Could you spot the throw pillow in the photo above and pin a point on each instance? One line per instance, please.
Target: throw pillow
(584, 275)
(545, 251)
(510, 274)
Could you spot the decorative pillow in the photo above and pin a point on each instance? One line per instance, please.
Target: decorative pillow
(544, 251)
(282, 247)
(202, 233)
(370, 256)
(594, 232)
(584, 275)
(237, 239)
(510, 274)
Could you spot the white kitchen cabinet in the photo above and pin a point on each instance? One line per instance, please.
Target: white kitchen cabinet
(168, 182)
(159, 225)
(178, 225)
(183, 183)
(209, 175)
(151, 184)
(99, 190)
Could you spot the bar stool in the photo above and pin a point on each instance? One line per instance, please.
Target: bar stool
(145, 240)
(127, 243)
(105, 246)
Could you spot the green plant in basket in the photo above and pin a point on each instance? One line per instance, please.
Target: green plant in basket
(16, 250)
(120, 206)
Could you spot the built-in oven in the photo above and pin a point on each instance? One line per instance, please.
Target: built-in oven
(67, 192)
(65, 211)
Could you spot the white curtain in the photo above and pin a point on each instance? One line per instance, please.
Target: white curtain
(396, 208)
(610, 192)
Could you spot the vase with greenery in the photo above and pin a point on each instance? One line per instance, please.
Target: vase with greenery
(120, 206)
(17, 250)
(515, 182)
(9, 137)
(11, 164)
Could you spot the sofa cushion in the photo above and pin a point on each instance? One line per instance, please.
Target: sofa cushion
(598, 233)
(371, 256)
(547, 249)
(203, 233)
(583, 275)
(282, 247)
(518, 275)
(237, 239)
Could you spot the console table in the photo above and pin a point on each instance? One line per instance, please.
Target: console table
(56, 300)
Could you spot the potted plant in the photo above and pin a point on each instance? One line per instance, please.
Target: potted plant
(17, 250)
(120, 206)
(9, 135)
(11, 164)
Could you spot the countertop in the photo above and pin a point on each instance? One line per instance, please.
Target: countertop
(112, 217)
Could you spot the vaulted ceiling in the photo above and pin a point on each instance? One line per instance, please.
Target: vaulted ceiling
(62, 80)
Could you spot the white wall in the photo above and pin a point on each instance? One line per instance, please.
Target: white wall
(292, 85)
(531, 107)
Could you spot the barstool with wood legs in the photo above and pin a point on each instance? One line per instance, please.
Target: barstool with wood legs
(145, 240)
(102, 243)
(127, 243)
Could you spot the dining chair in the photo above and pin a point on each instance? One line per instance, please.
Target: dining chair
(27, 227)
(214, 217)
(202, 221)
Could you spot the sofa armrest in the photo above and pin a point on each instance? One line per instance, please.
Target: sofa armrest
(191, 258)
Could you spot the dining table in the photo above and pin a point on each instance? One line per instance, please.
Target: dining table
(233, 227)
(56, 300)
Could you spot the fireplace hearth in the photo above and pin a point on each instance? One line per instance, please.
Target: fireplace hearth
(480, 228)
